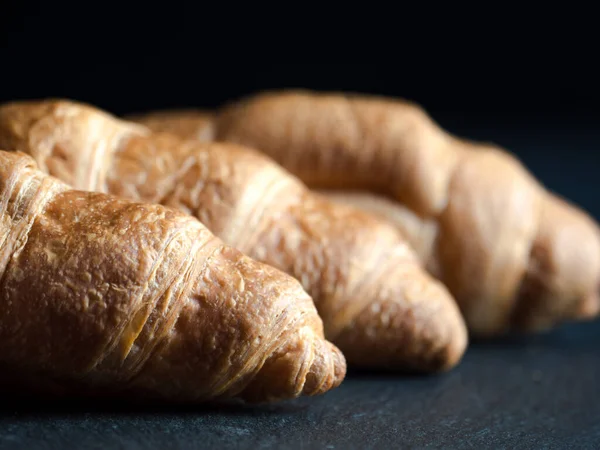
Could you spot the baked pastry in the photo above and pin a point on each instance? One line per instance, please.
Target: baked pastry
(105, 296)
(377, 303)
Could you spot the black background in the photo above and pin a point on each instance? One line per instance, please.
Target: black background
(130, 56)
(520, 392)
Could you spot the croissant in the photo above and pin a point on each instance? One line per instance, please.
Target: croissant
(377, 303)
(101, 294)
(514, 255)
(185, 123)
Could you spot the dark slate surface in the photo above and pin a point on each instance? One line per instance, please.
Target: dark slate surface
(535, 393)
(515, 393)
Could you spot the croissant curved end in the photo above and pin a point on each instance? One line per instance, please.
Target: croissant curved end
(285, 375)
(589, 307)
(421, 332)
(325, 373)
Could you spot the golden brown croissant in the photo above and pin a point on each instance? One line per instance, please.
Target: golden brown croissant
(186, 123)
(377, 303)
(512, 253)
(101, 294)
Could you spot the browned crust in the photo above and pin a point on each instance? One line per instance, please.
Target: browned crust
(101, 294)
(510, 252)
(185, 123)
(346, 260)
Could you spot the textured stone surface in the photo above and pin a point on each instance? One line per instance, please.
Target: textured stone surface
(532, 393)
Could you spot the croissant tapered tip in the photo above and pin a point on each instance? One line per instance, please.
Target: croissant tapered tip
(327, 371)
(588, 308)
(445, 344)
(453, 352)
(285, 375)
(419, 330)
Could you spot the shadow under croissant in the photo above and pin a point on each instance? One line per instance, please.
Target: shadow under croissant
(38, 402)
(70, 406)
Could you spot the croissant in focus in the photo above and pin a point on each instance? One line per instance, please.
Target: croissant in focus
(378, 305)
(514, 255)
(101, 294)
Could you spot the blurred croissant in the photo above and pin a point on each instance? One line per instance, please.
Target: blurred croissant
(377, 303)
(513, 254)
(101, 295)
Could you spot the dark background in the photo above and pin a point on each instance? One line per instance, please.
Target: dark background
(539, 391)
(128, 57)
(132, 56)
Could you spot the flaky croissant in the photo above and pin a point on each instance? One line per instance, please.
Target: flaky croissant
(377, 304)
(513, 254)
(186, 123)
(103, 295)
